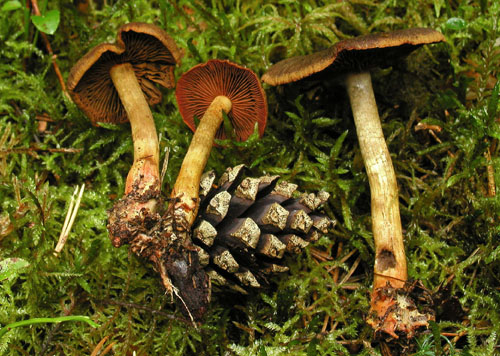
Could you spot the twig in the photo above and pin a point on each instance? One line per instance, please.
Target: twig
(44, 117)
(325, 324)
(457, 336)
(490, 174)
(346, 257)
(109, 348)
(70, 218)
(320, 255)
(351, 271)
(99, 346)
(342, 260)
(36, 11)
(30, 150)
(336, 271)
(423, 126)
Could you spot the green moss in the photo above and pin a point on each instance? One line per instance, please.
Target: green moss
(451, 220)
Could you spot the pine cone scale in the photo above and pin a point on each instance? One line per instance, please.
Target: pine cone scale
(246, 225)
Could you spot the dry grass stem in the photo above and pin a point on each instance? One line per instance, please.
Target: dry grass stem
(165, 164)
(74, 205)
(32, 150)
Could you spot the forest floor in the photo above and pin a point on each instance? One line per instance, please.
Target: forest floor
(441, 119)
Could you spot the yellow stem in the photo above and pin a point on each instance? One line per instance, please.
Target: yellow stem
(186, 187)
(390, 259)
(146, 150)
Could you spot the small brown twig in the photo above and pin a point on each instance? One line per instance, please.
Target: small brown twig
(424, 126)
(325, 324)
(431, 128)
(36, 11)
(351, 271)
(320, 255)
(336, 271)
(490, 172)
(31, 150)
(44, 117)
(108, 348)
(99, 346)
(455, 338)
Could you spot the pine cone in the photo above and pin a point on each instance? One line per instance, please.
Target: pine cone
(243, 229)
(246, 225)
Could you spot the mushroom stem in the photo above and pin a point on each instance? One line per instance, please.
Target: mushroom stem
(146, 151)
(186, 187)
(390, 260)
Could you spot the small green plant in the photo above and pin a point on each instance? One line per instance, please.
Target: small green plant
(48, 22)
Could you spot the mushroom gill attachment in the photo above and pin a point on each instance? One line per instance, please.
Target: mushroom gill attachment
(352, 59)
(198, 87)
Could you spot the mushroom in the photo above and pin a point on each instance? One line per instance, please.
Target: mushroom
(353, 58)
(205, 92)
(115, 83)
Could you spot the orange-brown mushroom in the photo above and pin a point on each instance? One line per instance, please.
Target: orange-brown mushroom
(115, 83)
(204, 92)
(352, 58)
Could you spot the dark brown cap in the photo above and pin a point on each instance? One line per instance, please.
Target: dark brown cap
(199, 86)
(153, 55)
(356, 54)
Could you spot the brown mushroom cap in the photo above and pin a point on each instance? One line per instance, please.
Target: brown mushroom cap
(199, 86)
(153, 55)
(356, 54)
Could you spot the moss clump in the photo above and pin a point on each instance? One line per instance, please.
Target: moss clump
(441, 119)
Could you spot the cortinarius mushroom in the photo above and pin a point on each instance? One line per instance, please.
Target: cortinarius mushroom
(353, 58)
(114, 83)
(204, 92)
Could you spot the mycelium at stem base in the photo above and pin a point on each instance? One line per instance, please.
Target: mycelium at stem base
(390, 311)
